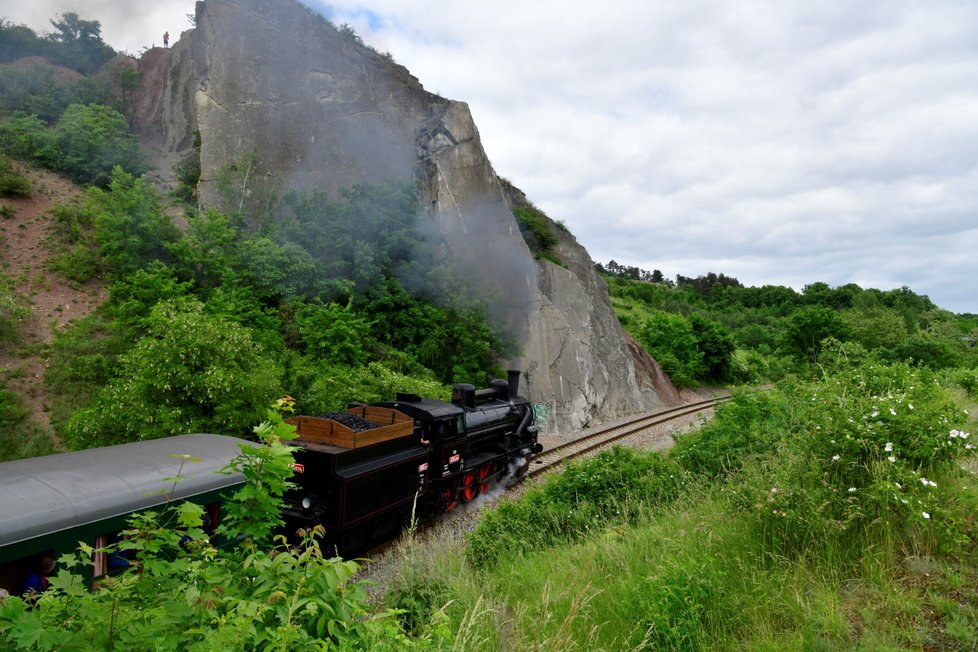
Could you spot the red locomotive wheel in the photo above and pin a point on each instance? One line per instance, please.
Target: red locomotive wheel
(449, 497)
(470, 488)
(484, 472)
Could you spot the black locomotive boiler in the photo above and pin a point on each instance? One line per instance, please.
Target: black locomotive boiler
(424, 458)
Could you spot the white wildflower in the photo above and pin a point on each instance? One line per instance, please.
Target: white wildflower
(875, 414)
(835, 458)
(891, 458)
(852, 490)
(889, 447)
(774, 490)
(925, 514)
(892, 411)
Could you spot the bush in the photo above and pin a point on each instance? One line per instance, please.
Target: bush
(865, 457)
(13, 310)
(19, 436)
(742, 429)
(93, 140)
(670, 339)
(967, 379)
(536, 231)
(73, 244)
(27, 138)
(582, 499)
(129, 223)
(12, 182)
(190, 373)
(323, 388)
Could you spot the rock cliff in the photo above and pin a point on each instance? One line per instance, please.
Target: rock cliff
(322, 112)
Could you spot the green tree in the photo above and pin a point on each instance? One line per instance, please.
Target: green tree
(670, 339)
(928, 349)
(93, 139)
(878, 328)
(130, 226)
(716, 346)
(332, 333)
(80, 43)
(806, 327)
(26, 137)
(192, 372)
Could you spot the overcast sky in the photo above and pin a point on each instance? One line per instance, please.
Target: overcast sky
(778, 142)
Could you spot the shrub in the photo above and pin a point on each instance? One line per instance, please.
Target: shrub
(12, 182)
(742, 429)
(190, 373)
(13, 310)
(584, 498)
(967, 379)
(323, 388)
(670, 339)
(536, 231)
(19, 436)
(129, 223)
(26, 137)
(332, 333)
(74, 248)
(865, 456)
(94, 139)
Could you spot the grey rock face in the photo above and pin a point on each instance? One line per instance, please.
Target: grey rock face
(322, 113)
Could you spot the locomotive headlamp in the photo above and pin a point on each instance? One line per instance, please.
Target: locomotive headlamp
(306, 502)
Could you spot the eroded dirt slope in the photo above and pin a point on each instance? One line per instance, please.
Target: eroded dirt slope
(53, 301)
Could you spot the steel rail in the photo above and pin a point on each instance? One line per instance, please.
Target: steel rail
(556, 456)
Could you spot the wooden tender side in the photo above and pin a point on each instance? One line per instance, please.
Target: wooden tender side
(318, 430)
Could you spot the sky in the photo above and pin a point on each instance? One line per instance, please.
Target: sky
(781, 142)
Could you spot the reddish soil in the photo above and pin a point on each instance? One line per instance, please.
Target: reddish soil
(53, 301)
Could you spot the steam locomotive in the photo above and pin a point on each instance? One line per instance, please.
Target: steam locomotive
(424, 457)
(429, 457)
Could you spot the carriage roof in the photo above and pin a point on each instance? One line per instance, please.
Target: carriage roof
(45, 495)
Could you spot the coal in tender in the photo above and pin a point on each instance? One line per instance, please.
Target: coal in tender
(352, 421)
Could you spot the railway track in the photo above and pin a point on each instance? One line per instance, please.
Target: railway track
(557, 455)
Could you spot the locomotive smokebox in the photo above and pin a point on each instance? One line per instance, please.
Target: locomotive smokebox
(514, 383)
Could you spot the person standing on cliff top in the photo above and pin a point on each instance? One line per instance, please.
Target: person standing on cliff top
(166, 39)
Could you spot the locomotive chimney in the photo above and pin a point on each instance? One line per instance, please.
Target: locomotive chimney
(514, 383)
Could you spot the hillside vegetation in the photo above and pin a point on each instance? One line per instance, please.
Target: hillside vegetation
(213, 315)
(713, 329)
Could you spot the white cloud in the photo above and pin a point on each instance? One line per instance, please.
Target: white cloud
(779, 142)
